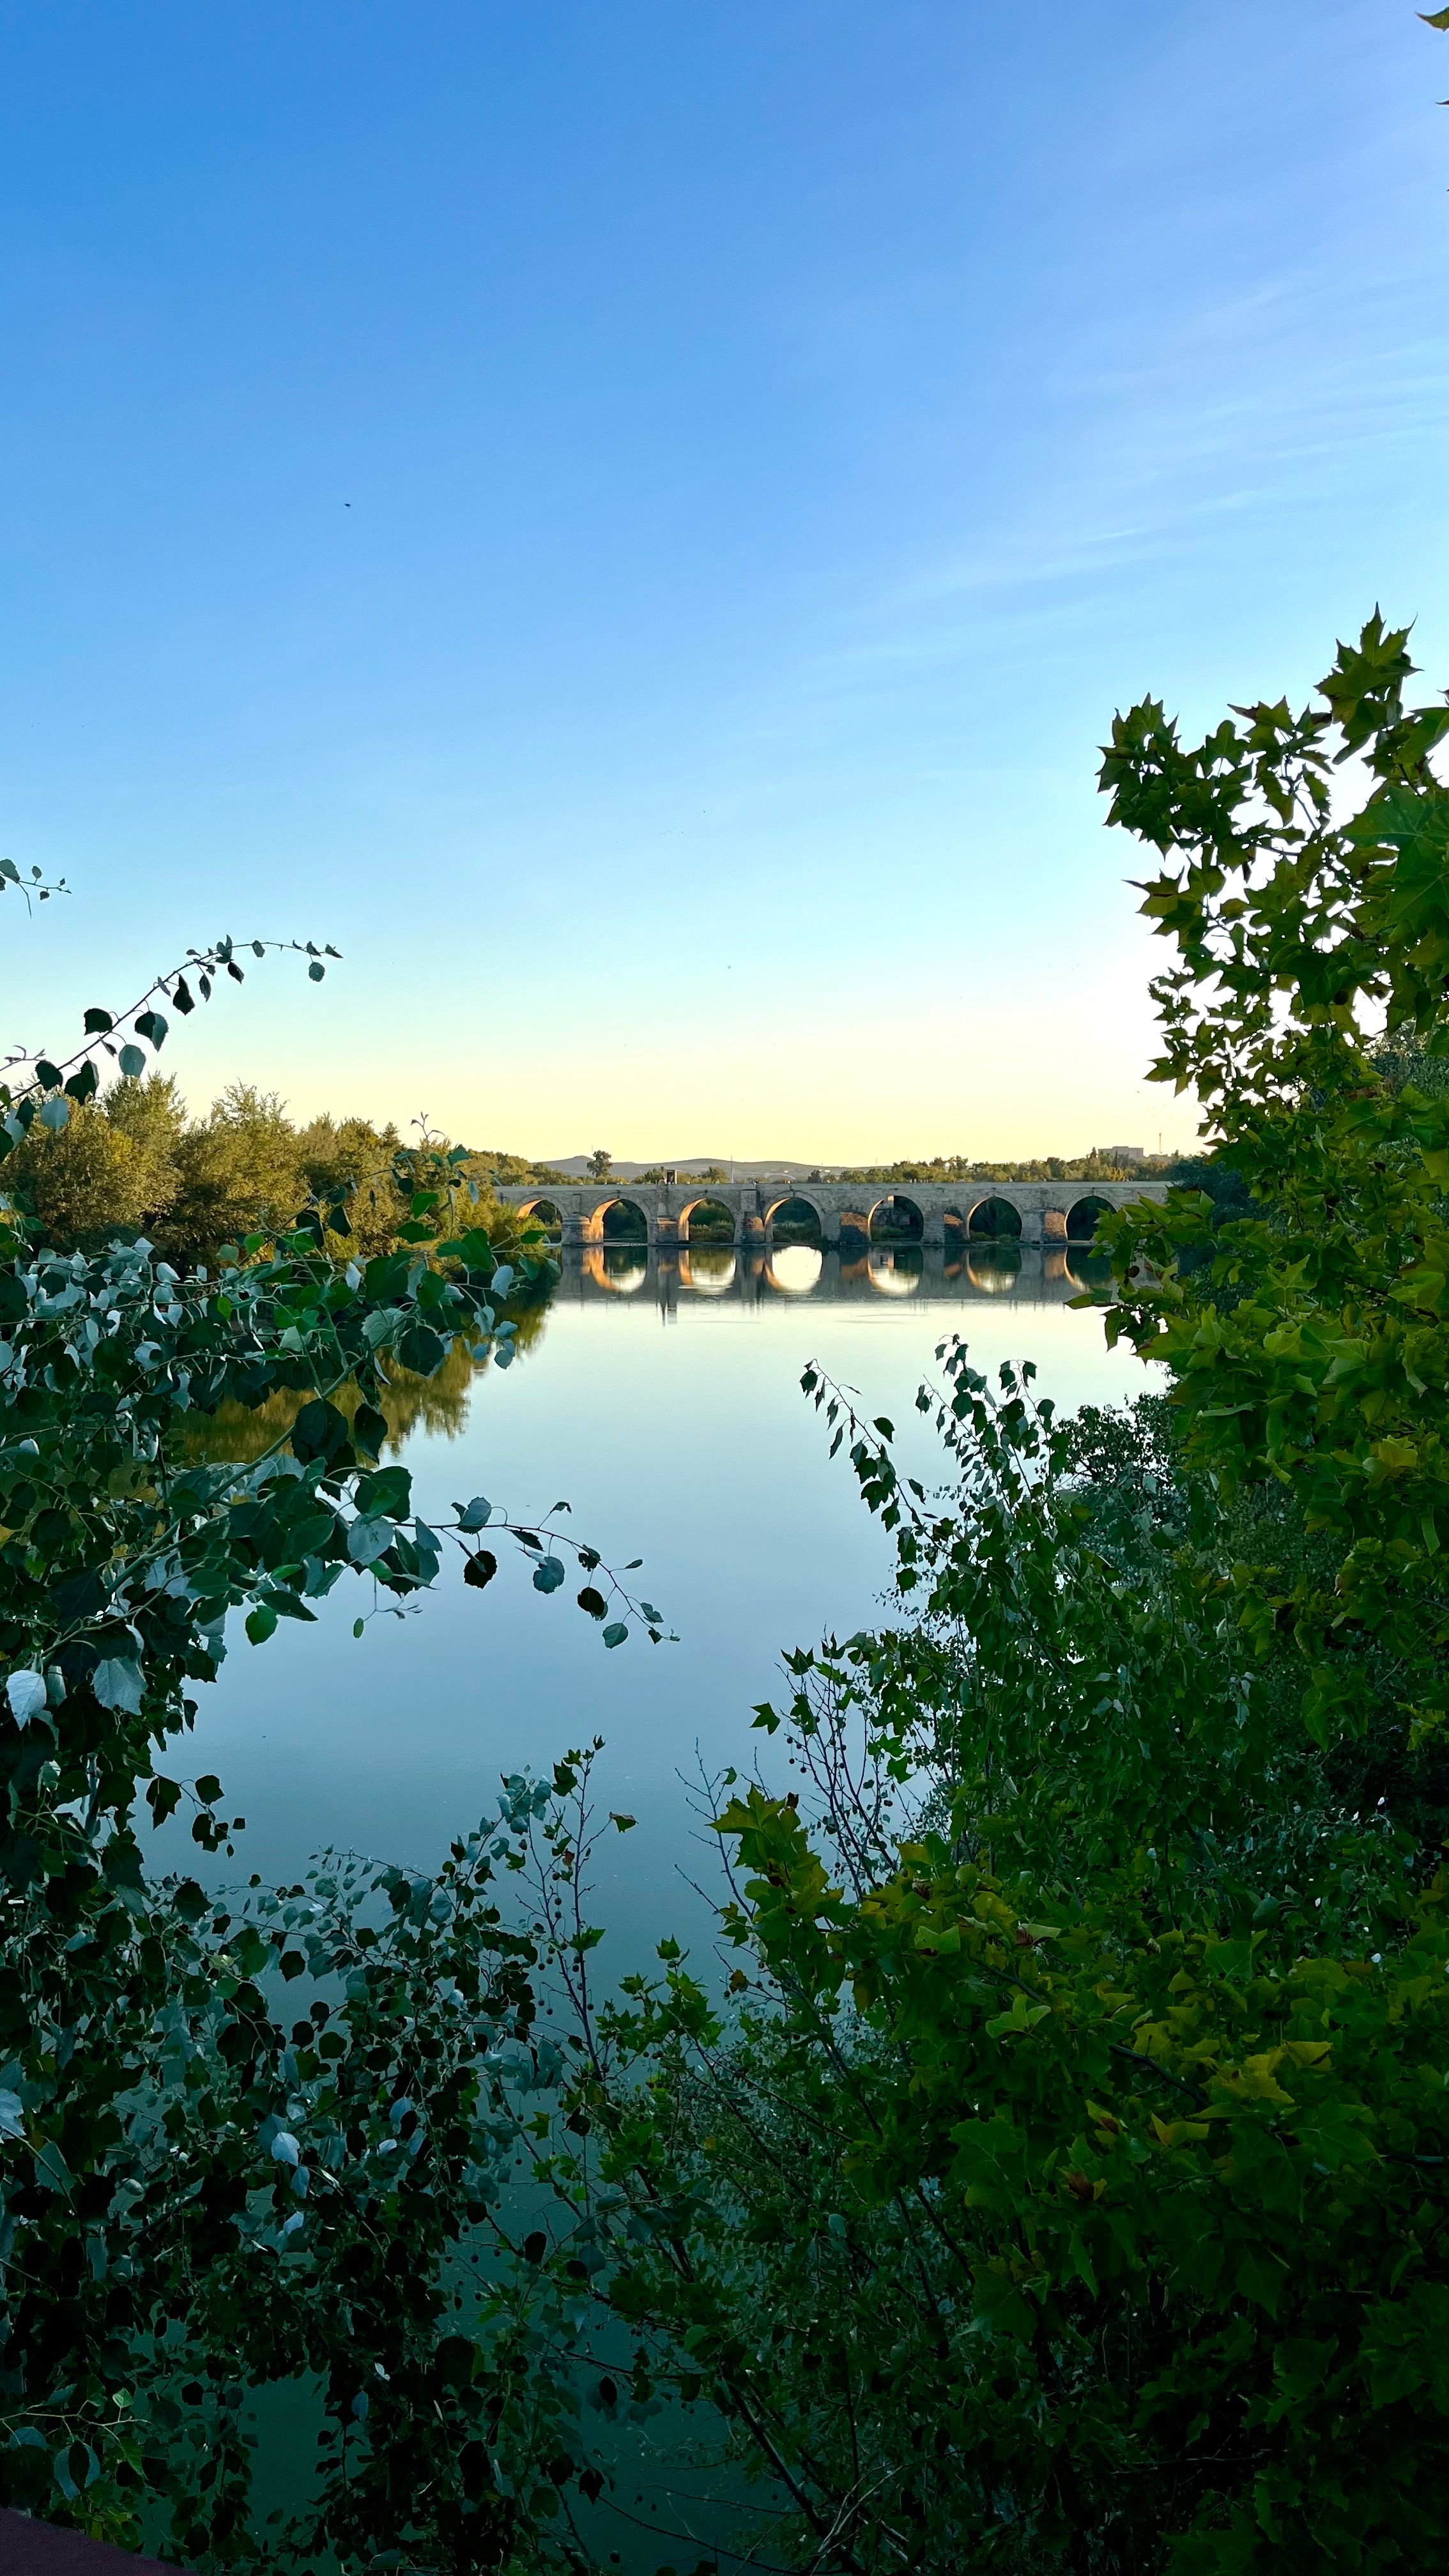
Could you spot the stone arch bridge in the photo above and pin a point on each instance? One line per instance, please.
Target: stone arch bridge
(923, 1212)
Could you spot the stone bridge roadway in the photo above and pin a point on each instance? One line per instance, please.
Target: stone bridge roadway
(1049, 1211)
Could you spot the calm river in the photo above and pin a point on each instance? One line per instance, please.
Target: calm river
(664, 1403)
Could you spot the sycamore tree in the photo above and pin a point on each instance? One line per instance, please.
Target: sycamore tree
(265, 2141)
(1065, 2179)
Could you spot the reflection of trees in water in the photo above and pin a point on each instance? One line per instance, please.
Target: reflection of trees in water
(615, 1266)
(709, 1269)
(994, 1267)
(408, 1404)
(895, 1274)
(1089, 1269)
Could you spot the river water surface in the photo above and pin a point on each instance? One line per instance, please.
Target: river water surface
(663, 1402)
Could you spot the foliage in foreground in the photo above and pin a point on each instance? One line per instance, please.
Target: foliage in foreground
(196, 2204)
(1069, 2185)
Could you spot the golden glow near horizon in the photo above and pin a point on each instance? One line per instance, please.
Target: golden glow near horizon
(1055, 1063)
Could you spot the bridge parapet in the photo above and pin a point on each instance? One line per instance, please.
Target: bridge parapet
(1046, 1212)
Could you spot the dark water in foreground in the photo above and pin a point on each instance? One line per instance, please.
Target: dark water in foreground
(665, 1405)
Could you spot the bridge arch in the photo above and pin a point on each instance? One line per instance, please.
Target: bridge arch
(1083, 1217)
(718, 1222)
(542, 1211)
(896, 1219)
(994, 1220)
(792, 1215)
(618, 1220)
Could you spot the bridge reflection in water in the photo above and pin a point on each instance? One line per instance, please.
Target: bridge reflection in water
(686, 1275)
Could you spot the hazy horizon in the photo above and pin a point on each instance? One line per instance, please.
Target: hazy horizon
(628, 1166)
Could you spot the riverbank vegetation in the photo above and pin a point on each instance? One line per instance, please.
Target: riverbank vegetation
(131, 1159)
(1067, 2184)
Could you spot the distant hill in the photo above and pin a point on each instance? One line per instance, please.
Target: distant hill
(1103, 1163)
(577, 1167)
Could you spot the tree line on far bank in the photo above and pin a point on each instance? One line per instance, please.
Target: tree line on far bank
(135, 1160)
(1100, 1165)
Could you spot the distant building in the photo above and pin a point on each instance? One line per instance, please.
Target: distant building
(1121, 1153)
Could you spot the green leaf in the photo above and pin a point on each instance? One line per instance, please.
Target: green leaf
(369, 1430)
(118, 1685)
(387, 1489)
(367, 1540)
(421, 1350)
(319, 1431)
(163, 1797)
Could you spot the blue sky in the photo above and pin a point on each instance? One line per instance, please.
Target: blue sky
(632, 520)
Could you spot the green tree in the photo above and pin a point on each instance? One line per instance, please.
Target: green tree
(210, 2179)
(241, 1173)
(111, 1168)
(1068, 2185)
(351, 1158)
(151, 1112)
(87, 1182)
